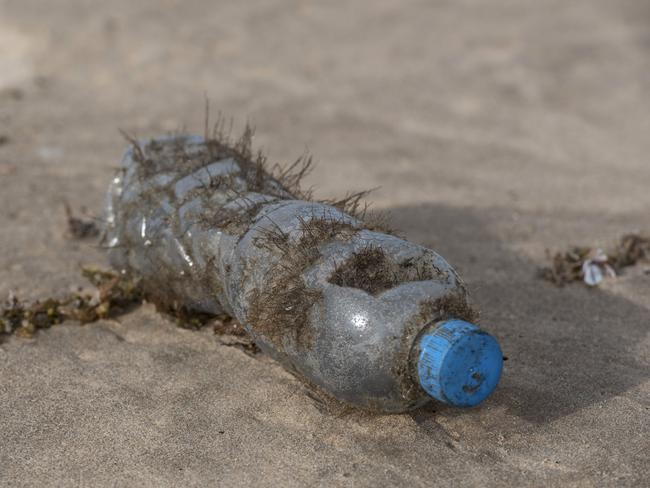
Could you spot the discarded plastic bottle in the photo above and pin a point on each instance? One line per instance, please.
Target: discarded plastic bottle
(372, 319)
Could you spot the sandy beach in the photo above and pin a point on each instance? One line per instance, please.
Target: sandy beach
(494, 131)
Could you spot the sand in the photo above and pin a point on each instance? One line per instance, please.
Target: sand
(495, 130)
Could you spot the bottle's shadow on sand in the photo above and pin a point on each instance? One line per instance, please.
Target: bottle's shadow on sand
(568, 348)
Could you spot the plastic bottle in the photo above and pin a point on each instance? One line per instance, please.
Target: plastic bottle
(370, 318)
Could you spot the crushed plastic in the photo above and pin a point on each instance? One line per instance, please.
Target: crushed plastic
(334, 298)
(596, 267)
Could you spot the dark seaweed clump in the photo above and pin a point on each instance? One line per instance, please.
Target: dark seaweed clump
(368, 270)
(566, 267)
(374, 271)
(113, 295)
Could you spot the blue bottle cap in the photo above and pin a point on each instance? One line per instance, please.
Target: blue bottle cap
(459, 364)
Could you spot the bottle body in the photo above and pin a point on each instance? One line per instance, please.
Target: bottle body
(338, 303)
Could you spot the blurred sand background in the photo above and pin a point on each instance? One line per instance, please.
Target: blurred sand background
(495, 130)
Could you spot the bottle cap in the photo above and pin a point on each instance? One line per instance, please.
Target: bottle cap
(458, 363)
